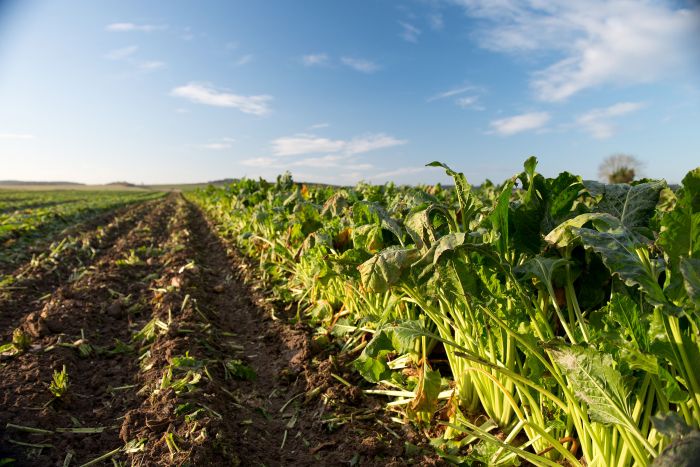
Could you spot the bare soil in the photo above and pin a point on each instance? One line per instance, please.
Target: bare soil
(158, 279)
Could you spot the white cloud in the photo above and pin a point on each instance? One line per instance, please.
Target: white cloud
(122, 53)
(468, 102)
(452, 92)
(409, 32)
(203, 93)
(372, 142)
(310, 144)
(436, 22)
(330, 161)
(260, 162)
(150, 65)
(597, 122)
(305, 144)
(318, 126)
(127, 27)
(314, 59)
(245, 59)
(360, 64)
(600, 42)
(519, 123)
(217, 146)
(16, 136)
(400, 172)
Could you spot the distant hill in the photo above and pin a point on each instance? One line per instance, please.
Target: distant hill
(20, 183)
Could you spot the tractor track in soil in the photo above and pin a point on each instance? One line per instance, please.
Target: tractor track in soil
(195, 286)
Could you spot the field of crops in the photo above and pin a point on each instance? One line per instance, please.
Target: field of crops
(542, 321)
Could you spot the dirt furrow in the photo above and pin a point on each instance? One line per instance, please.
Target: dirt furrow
(264, 392)
(86, 325)
(72, 256)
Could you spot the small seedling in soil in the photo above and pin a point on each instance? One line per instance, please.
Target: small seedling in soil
(20, 343)
(237, 370)
(59, 385)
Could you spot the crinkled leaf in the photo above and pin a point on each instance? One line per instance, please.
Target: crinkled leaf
(690, 269)
(671, 425)
(562, 235)
(365, 212)
(385, 268)
(427, 392)
(406, 333)
(633, 205)
(543, 269)
(419, 224)
(596, 382)
(618, 252)
(368, 237)
(468, 203)
(680, 232)
(684, 452)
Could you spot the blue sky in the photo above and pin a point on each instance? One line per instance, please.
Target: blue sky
(184, 91)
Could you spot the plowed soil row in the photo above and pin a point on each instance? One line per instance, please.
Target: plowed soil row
(74, 253)
(201, 375)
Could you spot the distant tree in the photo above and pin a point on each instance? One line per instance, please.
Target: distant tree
(619, 168)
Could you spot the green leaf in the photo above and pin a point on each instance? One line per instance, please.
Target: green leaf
(690, 269)
(469, 205)
(671, 425)
(406, 333)
(371, 364)
(680, 232)
(543, 269)
(420, 224)
(633, 205)
(619, 253)
(385, 268)
(499, 217)
(595, 381)
(684, 452)
(563, 234)
(368, 237)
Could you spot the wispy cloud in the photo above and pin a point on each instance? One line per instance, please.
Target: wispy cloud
(401, 171)
(597, 122)
(436, 22)
(318, 126)
(217, 146)
(465, 102)
(16, 136)
(360, 64)
(518, 123)
(602, 41)
(150, 65)
(311, 144)
(452, 92)
(260, 162)
(128, 27)
(314, 59)
(409, 32)
(469, 102)
(122, 53)
(204, 93)
(245, 59)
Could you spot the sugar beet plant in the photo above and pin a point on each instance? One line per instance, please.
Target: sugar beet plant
(567, 311)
